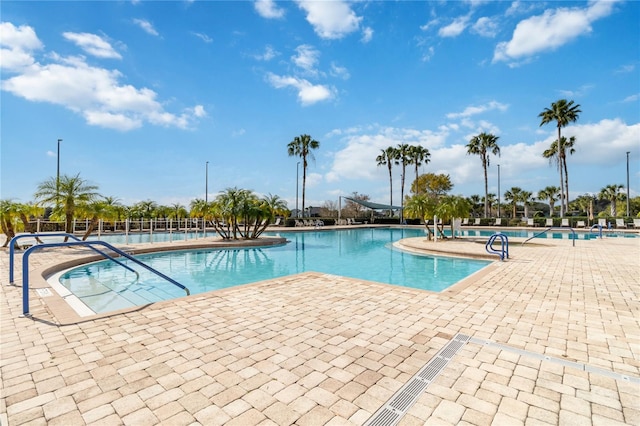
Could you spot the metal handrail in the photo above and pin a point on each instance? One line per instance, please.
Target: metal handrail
(550, 228)
(27, 253)
(597, 225)
(504, 245)
(12, 245)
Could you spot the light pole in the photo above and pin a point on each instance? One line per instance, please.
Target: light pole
(206, 183)
(297, 168)
(628, 183)
(498, 190)
(58, 176)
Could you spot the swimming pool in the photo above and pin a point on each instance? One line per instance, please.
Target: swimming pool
(357, 253)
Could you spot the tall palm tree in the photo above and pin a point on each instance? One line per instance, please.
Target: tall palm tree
(550, 193)
(71, 191)
(419, 155)
(564, 147)
(513, 195)
(386, 158)
(403, 158)
(562, 112)
(302, 146)
(526, 198)
(475, 201)
(613, 194)
(483, 145)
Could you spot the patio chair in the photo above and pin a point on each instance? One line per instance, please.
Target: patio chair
(636, 223)
(530, 222)
(549, 222)
(620, 223)
(565, 222)
(498, 222)
(465, 221)
(581, 224)
(477, 221)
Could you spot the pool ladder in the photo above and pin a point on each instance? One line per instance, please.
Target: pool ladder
(76, 242)
(504, 245)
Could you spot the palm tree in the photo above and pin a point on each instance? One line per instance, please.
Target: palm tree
(562, 112)
(386, 158)
(8, 219)
(417, 155)
(490, 199)
(475, 201)
(423, 207)
(549, 193)
(613, 195)
(95, 211)
(403, 158)
(71, 191)
(482, 145)
(451, 207)
(301, 146)
(513, 195)
(526, 198)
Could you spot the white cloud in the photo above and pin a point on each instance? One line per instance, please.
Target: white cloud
(202, 37)
(92, 92)
(551, 30)
(268, 9)
(479, 109)
(455, 28)
(485, 27)
(306, 58)
(146, 26)
(632, 98)
(308, 93)
(340, 72)
(367, 35)
(93, 45)
(269, 54)
(330, 19)
(16, 46)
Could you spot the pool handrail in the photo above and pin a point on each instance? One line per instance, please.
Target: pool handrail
(27, 253)
(554, 227)
(504, 245)
(597, 225)
(12, 245)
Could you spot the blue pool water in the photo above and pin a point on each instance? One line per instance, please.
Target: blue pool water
(357, 253)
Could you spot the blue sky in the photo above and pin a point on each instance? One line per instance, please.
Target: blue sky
(143, 94)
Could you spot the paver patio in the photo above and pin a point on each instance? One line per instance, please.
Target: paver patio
(554, 339)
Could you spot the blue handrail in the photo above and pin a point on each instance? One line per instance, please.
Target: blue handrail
(504, 245)
(550, 228)
(597, 225)
(27, 253)
(12, 245)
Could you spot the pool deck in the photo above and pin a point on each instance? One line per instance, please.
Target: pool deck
(550, 336)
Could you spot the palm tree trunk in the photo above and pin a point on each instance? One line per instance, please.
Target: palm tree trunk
(390, 190)
(486, 187)
(402, 194)
(566, 180)
(304, 181)
(560, 168)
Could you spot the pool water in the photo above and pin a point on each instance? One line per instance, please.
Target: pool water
(357, 253)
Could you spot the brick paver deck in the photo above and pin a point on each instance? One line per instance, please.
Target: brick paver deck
(555, 340)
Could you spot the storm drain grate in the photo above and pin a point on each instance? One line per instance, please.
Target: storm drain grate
(391, 413)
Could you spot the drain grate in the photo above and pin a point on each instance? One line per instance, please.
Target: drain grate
(391, 413)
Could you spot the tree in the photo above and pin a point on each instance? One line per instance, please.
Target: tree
(482, 145)
(403, 159)
(417, 155)
(94, 211)
(613, 194)
(356, 207)
(562, 112)
(550, 193)
(434, 185)
(490, 199)
(302, 147)
(8, 219)
(475, 201)
(513, 195)
(526, 198)
(72, 191)
(422, 207)
(386, 158)
(450, 207)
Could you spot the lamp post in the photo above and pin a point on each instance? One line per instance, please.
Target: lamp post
(628, 183)
(206, 183)
(297, 168)
(58, 176)
(498, 190)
